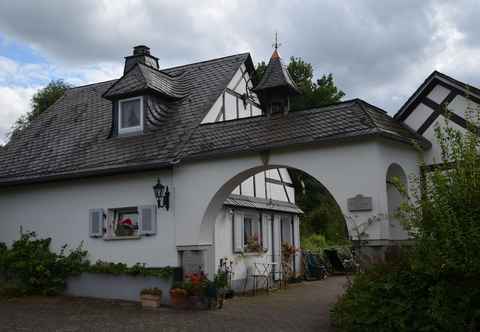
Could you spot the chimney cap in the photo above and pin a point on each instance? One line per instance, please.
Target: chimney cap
(141, 50)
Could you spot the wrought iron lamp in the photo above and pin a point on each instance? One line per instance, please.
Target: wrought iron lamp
(162, 195)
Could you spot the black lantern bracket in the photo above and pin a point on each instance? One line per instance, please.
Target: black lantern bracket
(162, 195)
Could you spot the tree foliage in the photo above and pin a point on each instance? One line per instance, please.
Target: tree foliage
(41, 100)
(322, 216)
(444, 215)
(314, 93)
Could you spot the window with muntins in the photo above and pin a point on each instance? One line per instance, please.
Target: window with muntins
(130, 115)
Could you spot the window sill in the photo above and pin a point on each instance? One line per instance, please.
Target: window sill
(254, 253)
(115, 238)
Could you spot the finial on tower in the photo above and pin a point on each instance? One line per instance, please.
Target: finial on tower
(276, 45)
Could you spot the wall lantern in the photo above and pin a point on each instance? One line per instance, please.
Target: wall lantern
(162, 195)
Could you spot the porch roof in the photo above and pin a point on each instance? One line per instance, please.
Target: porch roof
(261, 204)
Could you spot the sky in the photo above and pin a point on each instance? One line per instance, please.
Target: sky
(380, 51)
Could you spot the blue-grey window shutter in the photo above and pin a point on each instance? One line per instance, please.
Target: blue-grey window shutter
(96, 221)
(147, 219)
(266, 222)
(237, 232)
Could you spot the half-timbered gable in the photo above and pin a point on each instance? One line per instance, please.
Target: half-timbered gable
(439, 100)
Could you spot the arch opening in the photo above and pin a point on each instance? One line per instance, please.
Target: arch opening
(262, 203)
(395, 176)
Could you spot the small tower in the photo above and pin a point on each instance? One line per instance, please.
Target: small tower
(276, 86)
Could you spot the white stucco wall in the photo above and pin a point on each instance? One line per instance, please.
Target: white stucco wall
(60, 210)
(198, 190)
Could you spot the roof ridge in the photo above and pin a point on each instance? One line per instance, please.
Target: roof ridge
(89, 84)
(361, 104)
(120, 79)
(146, 81)
(205, 61)
(155, 70)
(326, 105)
(373, 107)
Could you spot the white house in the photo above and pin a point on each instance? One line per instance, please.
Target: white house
(84, 171)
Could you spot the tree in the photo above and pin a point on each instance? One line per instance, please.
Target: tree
(41, 100)
(321, 213)
(444, 213)
(314, 94)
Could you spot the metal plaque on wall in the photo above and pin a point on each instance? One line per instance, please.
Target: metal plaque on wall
(359, 203)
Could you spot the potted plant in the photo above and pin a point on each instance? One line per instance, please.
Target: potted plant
(196, 285)
(254, 245)
(179, 297)
(151, 297)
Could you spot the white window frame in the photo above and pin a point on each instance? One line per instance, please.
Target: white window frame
(113, 215)
(254, 216)
(129, 130)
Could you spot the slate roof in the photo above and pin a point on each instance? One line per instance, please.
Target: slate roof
(261, 204)
(276, 75)
(72, 138)
(345, 120)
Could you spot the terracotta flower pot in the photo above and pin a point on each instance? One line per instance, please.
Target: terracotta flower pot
(179, 301)
(150, 301)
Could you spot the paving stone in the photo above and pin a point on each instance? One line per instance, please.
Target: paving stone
(302, 307)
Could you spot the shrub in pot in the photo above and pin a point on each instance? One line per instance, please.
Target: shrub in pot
(151, 297)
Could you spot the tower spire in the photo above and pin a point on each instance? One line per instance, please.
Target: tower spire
(276, 86)
(276, 45)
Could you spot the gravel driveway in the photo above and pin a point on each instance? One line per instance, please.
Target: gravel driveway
(303, 307)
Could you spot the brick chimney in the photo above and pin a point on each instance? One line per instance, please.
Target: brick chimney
(141, 54)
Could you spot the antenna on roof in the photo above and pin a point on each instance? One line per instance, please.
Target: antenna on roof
(276, 44)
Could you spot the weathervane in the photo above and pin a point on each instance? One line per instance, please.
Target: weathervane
(276, 45)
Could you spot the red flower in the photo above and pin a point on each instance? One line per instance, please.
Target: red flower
(127, 221)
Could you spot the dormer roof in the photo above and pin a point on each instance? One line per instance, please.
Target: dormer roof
(141, 78)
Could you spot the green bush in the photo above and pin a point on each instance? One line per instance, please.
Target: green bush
(139, 269)
(393, 297)
(437, 286)
(29, 267)
(314, 242)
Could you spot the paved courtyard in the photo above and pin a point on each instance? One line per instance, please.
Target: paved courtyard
(303, 307)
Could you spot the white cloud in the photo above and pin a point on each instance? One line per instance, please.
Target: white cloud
(14, 101)
(19, 81)
(379, 51)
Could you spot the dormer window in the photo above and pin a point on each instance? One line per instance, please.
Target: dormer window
(130, 115)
